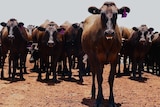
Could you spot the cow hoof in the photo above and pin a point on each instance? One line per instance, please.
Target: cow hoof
(39, 79)
(22, 79)
(118, 75)
(55, 80)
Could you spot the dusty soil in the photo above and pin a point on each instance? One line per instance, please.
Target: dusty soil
(31, 93)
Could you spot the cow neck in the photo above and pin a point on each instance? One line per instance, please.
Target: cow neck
(23, 33)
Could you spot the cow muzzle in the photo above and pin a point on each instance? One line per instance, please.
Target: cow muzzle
(109, 34)
(50, 43)
(11, 37)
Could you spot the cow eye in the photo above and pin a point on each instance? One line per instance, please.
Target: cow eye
(139, 33)
(145, 33)
(114, 16)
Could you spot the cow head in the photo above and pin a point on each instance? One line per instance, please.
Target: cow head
(109, 13)
(13, 27)
(144, 33)
(50, 34)
(30, 29)
(73, 34)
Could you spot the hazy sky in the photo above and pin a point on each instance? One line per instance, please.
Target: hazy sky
(37, 11)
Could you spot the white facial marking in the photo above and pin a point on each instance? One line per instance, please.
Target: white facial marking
(30, 28)
(11, 24)
(51, 29)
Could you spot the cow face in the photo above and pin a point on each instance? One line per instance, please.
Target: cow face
(144, 33)
(49, 34)
(30, 29)
(12, 23)
(13, 28)
(73, 34)
(109, 13)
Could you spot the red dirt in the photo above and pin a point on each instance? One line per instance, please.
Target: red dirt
(31, 93)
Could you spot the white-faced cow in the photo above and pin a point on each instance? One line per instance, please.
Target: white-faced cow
(153, 57)
(14, 38)
(101, 41)
(50, 47)
(138, 46)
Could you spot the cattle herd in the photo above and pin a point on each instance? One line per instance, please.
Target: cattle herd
(92, 43)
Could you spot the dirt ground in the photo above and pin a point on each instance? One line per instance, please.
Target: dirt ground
(31, 93)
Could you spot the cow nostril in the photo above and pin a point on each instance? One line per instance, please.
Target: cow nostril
(50, 44)
(112, 33)
(142, 40)
(109, 32)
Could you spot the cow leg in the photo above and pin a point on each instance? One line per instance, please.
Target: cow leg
(47, 67)
(35, 67)
(80, 67)
(14, 69)
(100, 91)
(70, 66)
(134, 69)
(24, 64)
(22, 67)
(111, 81)
(119, 66)
(9, 67)
(73, 58)
(93, 90)
(40, 70)
(54, 72)
(2, 71)
(126, 70)
(140, 68)
(87, 69)
(59, 67)
(65, 69)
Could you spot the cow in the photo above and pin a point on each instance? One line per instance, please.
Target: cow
(49, 39)
(126, 34)
(153, 56)
(137, 47)
(14, 39)
(101, 41)
(30, 29)
(72, 47)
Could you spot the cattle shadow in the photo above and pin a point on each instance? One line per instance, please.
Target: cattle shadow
(119, 75)
(16, 79)
(142, 79)
(72, 79)
(92, 102)
(49, 82)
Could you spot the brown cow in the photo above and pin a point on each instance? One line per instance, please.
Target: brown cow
(14, 38)
(126, 34)
(72, 47)
(137, 47)
(152, 59)
(101, 41)
(50, 47)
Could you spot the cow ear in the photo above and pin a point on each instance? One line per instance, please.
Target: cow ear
(20, 24)
(41, 28)
(3, 24)
(94, 10)
(155, 32)
(61, 30)
(151, 29)
(123, 11)
(75, 25)
(135, 28)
